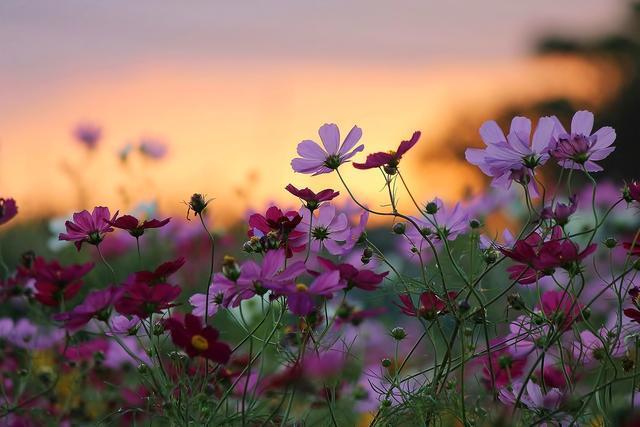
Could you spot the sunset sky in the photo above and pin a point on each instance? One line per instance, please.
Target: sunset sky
(232, 87)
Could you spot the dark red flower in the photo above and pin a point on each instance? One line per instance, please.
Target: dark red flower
(391, 159)
(142, 300)
(159, 275)
(54, 283)
(312, 199)
(634, 313)
(366, 280)
(431, 305)
(96, 304)
(634, 190)
(198, 340)
(561, 308)
(8, 209)
(276, 229)
(88, 227)
(632, 247)
(136, 227)
(505, 366)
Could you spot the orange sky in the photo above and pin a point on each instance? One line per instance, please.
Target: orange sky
(234, 127)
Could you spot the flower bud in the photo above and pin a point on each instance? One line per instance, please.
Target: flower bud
(474, 223)
(158, 329)
(431, 208)
(386, 362)
(398, 333)
(399, 227)
(586, 313)
(367, 252)
(198, 203)
(490, 256)
(464, 306)
(610, 242)
(515, 301)
(230, 268)
(143, 369)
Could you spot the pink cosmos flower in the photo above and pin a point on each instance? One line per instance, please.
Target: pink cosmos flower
(450, 222)
(533, 397)
(300, 297)
(96, 304)
(88, 227)
(311, 199)
(351, 277)
(219, 296)
(513, 158)
(580, 149)
(391, 159)
(54, 283)
(8, 209)
(506, 366)
(276, 229)
(590, 348)
(153, 148)
(88, 134)
(328, 229)
(430, 306)
(316, 160)
(561, 308)
(25, 334)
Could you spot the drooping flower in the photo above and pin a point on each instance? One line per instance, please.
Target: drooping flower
(96, 304)
(88, 227)
(8, 209)
(311, 199)
(55, 283)
(351, 277)
(198, 340)
(88, 134)
(561, 213)
(316, 160)
(430, 305)
(301, 297)
(579, 148)
(142, 300)
(328, 229)
(136, 227)
(391, 159)
(512, 158)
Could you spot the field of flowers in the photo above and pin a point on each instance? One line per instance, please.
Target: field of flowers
(310, 317)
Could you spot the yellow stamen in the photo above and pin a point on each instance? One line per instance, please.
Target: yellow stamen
(301, 287)
(199, 342)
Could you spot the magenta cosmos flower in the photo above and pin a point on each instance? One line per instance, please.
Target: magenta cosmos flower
(579, 149)
(135, 226)
(301, 297)
(311, 199)
(328, 229)
(430, 307)
(512, 158)
(142, 300)
(8, 209)
(55, 283)
(316, 160)
(88, 134)
(390, 159)
(88, 227)
(351, 277)
(96, 304)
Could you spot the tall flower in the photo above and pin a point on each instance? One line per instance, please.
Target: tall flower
(311, 199)
(515, 156)
(96, 304)
(390, 159)
(8, 209)
(55, 283)
(316, 160)
(198, 340)
(328, 229)
(579, 148)
(135, 226)
(88, 227)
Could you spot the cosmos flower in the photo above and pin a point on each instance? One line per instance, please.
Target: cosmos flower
(88, 134)
(505, 365)
(561, 308)
(579, 148)
(328, 229)
(430, 306)
(96, 304)
(54, 283)
(136, 227)
(220, 295)
(351, 277)
(160, 275)
(153, 148)
(8, 209)
(88, 227)
(316, 160)
(561, 213)
(533, 397)
(450, 222)
(276, 229)
(301, 297)
(590, 348)
(311, 199)
(512, 158)
(142, 300)
(391, 159)
(198, 340)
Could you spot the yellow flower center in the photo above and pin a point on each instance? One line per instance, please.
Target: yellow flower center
(199, 342)
(301, 287)
(392, 152)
